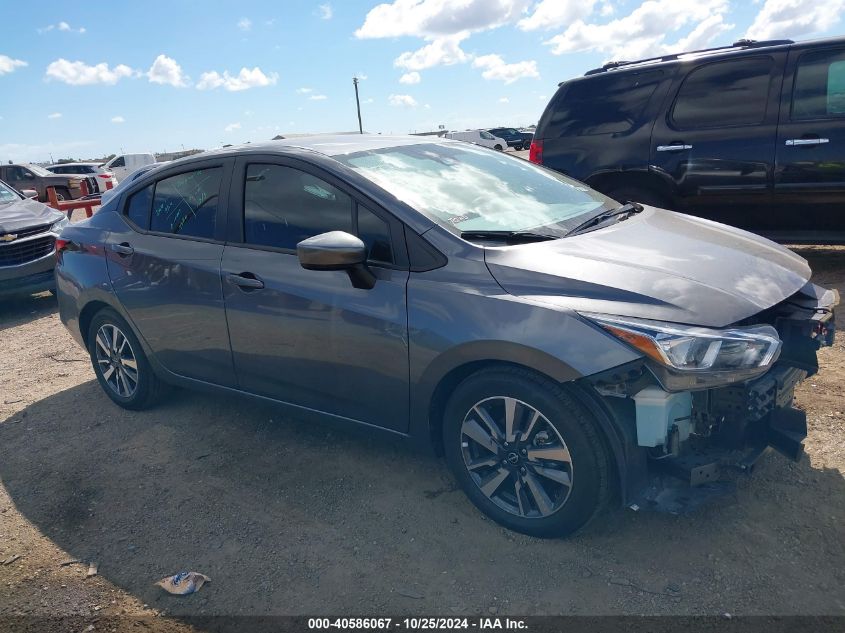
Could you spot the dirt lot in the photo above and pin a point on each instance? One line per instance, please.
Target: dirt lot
(290, 518)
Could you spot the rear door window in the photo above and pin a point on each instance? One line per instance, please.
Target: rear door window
(186, 204)
(819, 90)
(724, 94)
(609, 104)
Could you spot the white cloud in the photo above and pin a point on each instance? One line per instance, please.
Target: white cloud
(325, 11)
(494, 67)
(232, 127)
(435, 18)
(244, 24)
(8, 65)
(504, 100)
(244, 80)
(441, 51)
(606, 10)
(81, 74)
(549, 14)
(318, 97)
(165, 70)
(406, 101)
(369, 100)
(410, 78)
(304, 91)
(118, 119)
(55, 115)
(645, 30)
(61, 26)
(794, 18)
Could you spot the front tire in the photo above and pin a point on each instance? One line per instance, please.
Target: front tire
(526, 452)
(120, 364)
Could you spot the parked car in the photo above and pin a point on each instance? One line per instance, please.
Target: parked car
(751, 134)
(555, 345)
(102, 177)
(479, 137)
(515, 138)
(29, 176)
(28, 231)
(107, 195)
(124, 164)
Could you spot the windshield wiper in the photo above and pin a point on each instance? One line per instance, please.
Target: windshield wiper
(628, 208)
(509, 236)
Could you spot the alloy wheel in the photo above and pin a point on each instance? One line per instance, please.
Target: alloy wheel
(116, 360)
(516, 457)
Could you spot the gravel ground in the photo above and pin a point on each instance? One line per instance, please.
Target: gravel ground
(292, 518)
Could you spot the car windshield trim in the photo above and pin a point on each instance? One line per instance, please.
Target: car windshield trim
(469, 189)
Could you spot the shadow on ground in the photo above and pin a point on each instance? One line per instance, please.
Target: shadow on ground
(16, 310)
(295, 518)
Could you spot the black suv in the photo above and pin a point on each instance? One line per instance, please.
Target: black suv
(751, 134)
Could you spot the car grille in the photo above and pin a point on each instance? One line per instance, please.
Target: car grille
(33, 230)
(21, 252)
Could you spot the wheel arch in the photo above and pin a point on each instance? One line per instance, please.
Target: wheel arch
(87, 315)
(614, 430)
(643, 179)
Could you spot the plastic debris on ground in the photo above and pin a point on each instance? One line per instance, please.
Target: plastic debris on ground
(183, 583)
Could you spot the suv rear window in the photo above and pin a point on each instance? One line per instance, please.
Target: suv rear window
(819, 85)
(603, 105)
(724, 94)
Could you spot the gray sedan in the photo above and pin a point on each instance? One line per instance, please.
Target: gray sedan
(560, 348)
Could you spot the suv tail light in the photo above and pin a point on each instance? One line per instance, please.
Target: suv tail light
(106, 175)
(535, 152)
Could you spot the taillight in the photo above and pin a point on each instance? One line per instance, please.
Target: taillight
(61, 245)
(106, 175)
(535, 152)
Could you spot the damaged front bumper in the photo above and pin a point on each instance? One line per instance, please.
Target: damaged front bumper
(709, 434)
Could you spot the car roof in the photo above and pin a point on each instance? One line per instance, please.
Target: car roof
(325, 144)
(740, 47)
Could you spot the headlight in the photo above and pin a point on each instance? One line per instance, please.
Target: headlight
(59, 224)
(696, 357)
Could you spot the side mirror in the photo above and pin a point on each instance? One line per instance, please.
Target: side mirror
(337, 250)
(30, 193)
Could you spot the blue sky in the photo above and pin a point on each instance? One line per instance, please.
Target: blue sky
(157, 76)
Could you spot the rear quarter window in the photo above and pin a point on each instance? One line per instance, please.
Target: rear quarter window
(607, 104)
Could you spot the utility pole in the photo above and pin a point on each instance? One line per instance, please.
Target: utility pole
(358, 103)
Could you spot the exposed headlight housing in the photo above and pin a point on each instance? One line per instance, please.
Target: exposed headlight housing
(687, 357)
(59, 224)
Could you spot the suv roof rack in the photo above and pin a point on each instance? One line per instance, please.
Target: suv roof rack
(740, 44)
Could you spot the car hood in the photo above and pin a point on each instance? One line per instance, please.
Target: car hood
(655, 265)
(24, 214)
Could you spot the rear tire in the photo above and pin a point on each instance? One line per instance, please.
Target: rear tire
(120, 364)
(548, 478)
(636, 193)
(497, 147)
(62, 193)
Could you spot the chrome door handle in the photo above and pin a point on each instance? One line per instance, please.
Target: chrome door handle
(673, 148)
(806, 141)
(246, 280)
(122, 249)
